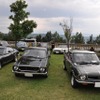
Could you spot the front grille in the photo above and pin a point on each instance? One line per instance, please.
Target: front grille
(28, 68)
(94, 78)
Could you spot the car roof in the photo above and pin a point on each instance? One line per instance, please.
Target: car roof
(21, 42)
(81, 51)
(41, 48)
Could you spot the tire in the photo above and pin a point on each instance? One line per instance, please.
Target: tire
(57, 52)
(45, 76)
(64, 67)
(0, 65)
(15, 58)
(17, 75)
(74, 84)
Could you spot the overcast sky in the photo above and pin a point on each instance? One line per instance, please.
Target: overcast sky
(49, 13)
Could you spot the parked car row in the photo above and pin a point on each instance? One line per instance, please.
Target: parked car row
(83, 66)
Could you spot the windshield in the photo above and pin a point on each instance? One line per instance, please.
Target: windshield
(85, 58)
(35, 53)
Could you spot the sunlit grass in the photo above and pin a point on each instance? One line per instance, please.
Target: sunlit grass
(55, 87)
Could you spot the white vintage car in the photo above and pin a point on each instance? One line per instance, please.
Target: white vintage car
(60, 49)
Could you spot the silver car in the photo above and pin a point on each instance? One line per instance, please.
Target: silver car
(21, 45)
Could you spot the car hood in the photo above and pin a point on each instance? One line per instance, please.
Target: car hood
(33, 62)
(89, 69)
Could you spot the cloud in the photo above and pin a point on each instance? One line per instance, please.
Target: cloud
(49, 13)
(4, 24)
(48, 24)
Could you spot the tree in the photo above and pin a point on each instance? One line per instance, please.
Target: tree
(90, 41)
(56, 37)
(97, 40)
(78, 38)
(39, 38)
(67, 31)
(48, 37)
(20, 27)
(1, 35)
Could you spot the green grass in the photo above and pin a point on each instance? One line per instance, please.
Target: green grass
(55, 87)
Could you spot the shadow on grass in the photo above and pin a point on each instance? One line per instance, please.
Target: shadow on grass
(35, 77)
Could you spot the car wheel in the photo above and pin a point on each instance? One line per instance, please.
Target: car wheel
(74, 84)
(46, 75)
(0, 65)
(57, 52)
(64, 67)
(15, 58)
(17, 75)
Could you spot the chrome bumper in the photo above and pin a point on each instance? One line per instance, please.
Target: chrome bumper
(84, 82)
(33, 73)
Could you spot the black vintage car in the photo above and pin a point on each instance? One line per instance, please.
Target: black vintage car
(7, 54)
(83, 67)
(34, 61)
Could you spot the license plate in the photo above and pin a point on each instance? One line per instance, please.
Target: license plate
(28, 75)
(97, 84)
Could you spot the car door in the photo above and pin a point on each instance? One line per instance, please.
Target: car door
(68, 62)
(10, 54)
(4, 56)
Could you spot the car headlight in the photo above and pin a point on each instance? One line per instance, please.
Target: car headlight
(42, 69)
(15, 68)
(83, 77)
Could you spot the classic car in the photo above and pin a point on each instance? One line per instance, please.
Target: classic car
(21, 45)
(34, 61)
(60, 49)
(7, 54)
(4, 43)
(83, 66)
(30, 41)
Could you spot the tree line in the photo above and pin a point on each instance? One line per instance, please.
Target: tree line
(77, 38)
(55, 37)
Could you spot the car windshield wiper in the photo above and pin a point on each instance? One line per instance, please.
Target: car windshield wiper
(37, 57)
(92, 62)
(95, 62)
(31, 58)
(83, 63)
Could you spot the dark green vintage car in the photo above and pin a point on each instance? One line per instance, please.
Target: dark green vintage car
(83, 67)
(34, 61)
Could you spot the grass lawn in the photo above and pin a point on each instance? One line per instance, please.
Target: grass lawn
(55, 87)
